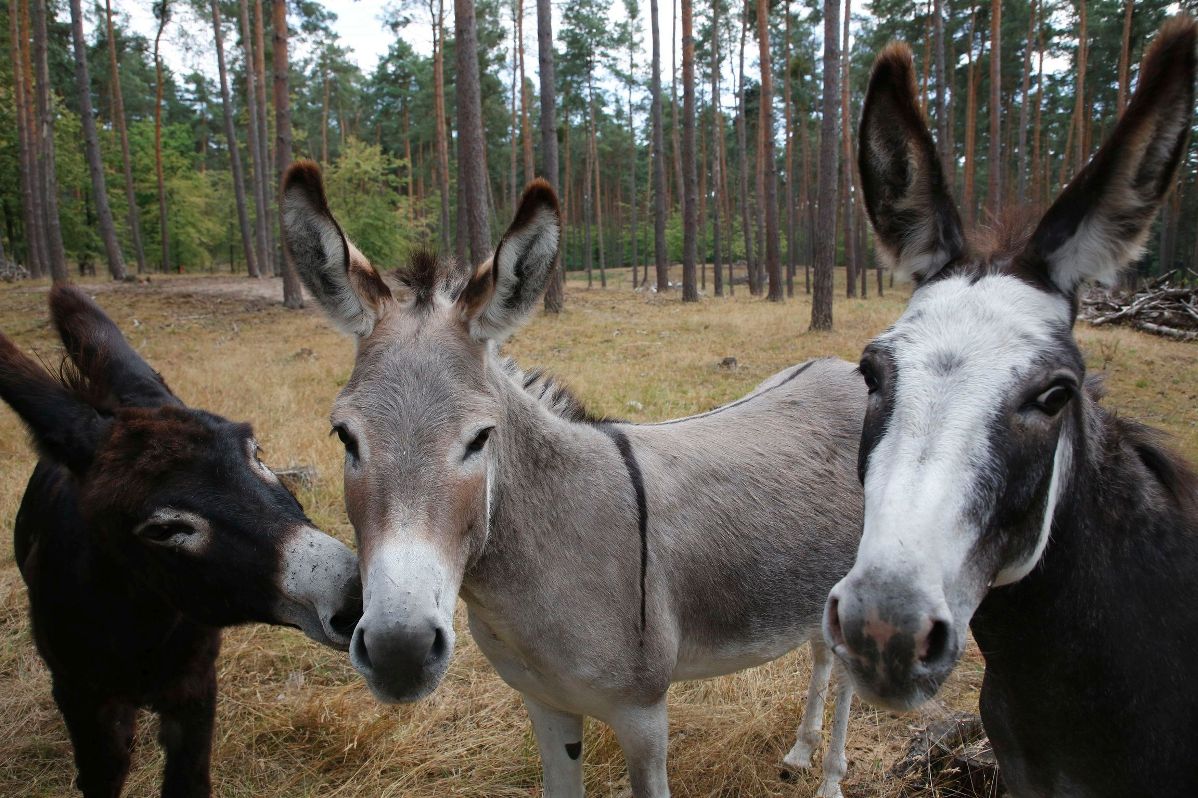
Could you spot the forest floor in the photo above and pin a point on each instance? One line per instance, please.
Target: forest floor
(295, 720)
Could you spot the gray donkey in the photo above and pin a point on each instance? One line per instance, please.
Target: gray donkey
(600, 561)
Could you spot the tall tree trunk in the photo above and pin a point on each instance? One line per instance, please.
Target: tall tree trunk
(530, 167)
(598, 199)
(133, 213)
(846, 183)
(742, 145)
(971, 106)
(805, 205)
(1125, 58)
(773, 258)
(26, 162)
(659, 166)
(269, 256)
(56, 255)
(436, 10)
(825, 245)
(472, 156)
(690, 173)
(513, 144)
(944, 142)
(163, 11)
(1079, 109)
(716, 181)
(243, 216)
(588, 175)
(634, 229)
(324, 116)
(257, 266)
(1039, 172)
(788, 110)
(1024, 88)
(675, 122)
(116, 261)
(293, 294)
(994, 181)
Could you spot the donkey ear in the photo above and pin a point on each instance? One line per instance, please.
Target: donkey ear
(340, 277)
(503, 292)
(1101, 220)
(102, 355)
(64, 428)
(909, 204)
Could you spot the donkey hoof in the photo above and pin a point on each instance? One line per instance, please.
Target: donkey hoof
(829, 789)
(799, 758)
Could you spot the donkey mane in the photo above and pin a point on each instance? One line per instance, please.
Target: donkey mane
(429, 275)
(553, 394)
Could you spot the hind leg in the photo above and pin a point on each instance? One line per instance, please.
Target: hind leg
(835, 762)
(101, 731)
(187, 713)
(812, 724)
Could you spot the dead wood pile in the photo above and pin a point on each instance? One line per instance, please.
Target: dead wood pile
(1162, 307)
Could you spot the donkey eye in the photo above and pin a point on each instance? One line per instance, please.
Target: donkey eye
(1051, 402)
(869, 375)
(347, 440)
(480, 440)
(164, 533)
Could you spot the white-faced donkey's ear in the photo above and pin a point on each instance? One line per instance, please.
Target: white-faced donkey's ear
(503, 292)
(1101, 220)
(337, 275)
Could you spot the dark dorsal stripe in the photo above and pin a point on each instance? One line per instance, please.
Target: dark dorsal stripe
(642, 505)
(738, 402)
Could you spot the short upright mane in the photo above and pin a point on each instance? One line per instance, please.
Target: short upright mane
(428, 276)
(552, 394)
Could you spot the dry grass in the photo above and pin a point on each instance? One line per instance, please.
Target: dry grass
(294, 720)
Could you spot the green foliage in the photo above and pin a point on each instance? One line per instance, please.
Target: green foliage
(363, 192)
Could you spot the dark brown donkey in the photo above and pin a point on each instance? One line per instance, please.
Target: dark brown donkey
(146, 527)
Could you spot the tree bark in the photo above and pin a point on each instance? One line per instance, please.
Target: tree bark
(742, 145)
(26, 163)
(293, 294)
(1124, 58)
(788, 110)
(514, 132)
(555, 291)
(163, 9)
(1079, 109)
(846, 184)
(269, 256)
(243, 216)
(825, 245)
(530, 167)
(716, 273)
(259, 265)
(773, 258)
(971, 105)
(598, 199)
(634, 231)
(1023, 103)
(659, 167)
(133, 213)
(1039, 172)
(690, 173)
(945, 146)
(675, 122)
(995, 170)
(55, 254)
(471, 146)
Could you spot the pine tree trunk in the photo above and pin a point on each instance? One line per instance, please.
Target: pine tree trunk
(1124, 58)
(471, 146)
(788, 110)
(258, 265)
(26, 164)
(95, 166)
(634, 229)
(805, 204)
(270, 258)
(1024, 88)
(1079, 109)
(55, 254)
(659, 166)
(1039, 172)
(943, 141)
(324, 116)
(293, 295)
(133, 213)
(675, 121)
(514, 134)
(846, 183)
(971, 105)
(742, 145)
(716, 183)
(163, 221)
(690, 173)
(825, 245)
(437, 11)
(530, 166)
(588, 174)
(598, 201)
(243, 217)
(773, 258)
(995, 167)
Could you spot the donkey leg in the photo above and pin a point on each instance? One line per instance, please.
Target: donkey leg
(835, 763)
(187, 715)
(812, 724)
(102, 735)
(644, 735)
(559, 739)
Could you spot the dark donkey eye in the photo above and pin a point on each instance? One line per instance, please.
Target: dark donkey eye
(347, 440)
(1051, 401)
(480, 440)
(869, 375)
(164, 532)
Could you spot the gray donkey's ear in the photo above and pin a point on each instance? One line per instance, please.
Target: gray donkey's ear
(337, 275)
(504, 291)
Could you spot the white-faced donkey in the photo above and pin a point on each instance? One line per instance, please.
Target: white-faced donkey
(599, 561)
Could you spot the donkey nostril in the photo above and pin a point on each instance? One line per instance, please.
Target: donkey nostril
(437, 650)
(358, 650)
(345, 621)
(935, 644)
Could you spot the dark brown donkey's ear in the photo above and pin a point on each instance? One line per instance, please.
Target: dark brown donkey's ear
(337, 275)
(503, 292)
(909, 204)
(1101, 220)
(101, 353)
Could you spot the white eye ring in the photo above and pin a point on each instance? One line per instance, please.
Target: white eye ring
(174, 529)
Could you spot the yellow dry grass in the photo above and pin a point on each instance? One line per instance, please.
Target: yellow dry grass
(294, 720)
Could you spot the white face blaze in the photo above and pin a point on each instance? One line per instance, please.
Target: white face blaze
(960, 350)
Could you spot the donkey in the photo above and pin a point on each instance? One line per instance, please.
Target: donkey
(146, 527)
(998, 492)
(599, 561)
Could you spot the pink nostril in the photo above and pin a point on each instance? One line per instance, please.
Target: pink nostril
(932, 643)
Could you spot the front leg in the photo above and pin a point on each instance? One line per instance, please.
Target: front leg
(188, 714)
(812, 724)
(101, 732)
(559, 739)
(835, 762)
(644, 734)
